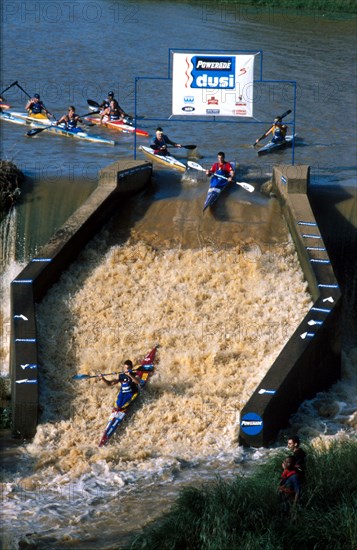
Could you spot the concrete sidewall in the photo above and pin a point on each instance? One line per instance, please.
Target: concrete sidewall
(116, 182)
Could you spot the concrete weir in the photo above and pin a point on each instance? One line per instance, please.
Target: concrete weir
(117, 181)
(309, 362)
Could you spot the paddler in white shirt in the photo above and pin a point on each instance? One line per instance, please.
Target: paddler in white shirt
(161, 141)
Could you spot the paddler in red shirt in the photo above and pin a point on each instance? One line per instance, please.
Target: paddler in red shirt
(221, 168)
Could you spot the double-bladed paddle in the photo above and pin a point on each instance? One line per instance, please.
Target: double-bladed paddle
(28, 95)
(183, 146)
(36, 131)
(247, 186)
(267, 132)
(8, 88)
(86, 376)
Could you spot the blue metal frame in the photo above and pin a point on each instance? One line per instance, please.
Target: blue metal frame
(209, 119)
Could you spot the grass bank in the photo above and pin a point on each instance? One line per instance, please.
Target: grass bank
(323, 6)
(246, 514)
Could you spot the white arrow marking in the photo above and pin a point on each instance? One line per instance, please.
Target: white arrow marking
(21, 317)
(266, 391)
(26, 381)
(313, 322)
(28, 366)
(306, 334)
(329, 299)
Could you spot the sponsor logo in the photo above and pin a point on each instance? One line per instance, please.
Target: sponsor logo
(240, 111)
(212, 101)
(213, 111)
(188, 109)
(213, 72)
(251, 424)
(189, 99)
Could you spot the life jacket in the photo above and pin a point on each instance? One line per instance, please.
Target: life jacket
(127, 384)
(114, 114)
(279, 132)
(36, 107)
(71, 123)
(222, 169)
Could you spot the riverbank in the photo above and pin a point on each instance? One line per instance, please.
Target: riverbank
(247, 513)
(323, 6)
(11, 179)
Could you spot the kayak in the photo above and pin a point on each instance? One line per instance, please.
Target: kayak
(271, 146)
(167, 160)
(216, 186)
(25, 118)
(39, 121)
(118, 125)
(78, 133)
(144, 372)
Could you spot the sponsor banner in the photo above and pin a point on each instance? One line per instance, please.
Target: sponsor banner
(212, 85)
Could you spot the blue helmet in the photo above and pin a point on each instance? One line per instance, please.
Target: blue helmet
(37, 96)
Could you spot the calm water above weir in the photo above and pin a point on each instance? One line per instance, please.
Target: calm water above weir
(163, 271)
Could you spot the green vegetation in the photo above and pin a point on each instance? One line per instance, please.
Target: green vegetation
(10, 180)
(246, 513)
(323, 6)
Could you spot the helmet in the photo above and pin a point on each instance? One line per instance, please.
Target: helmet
(159, 129)
(277, 119)
(37, 96)
(110, 94)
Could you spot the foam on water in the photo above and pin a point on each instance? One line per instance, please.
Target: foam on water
(220, 319)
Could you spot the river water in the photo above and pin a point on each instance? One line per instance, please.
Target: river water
(210, 289)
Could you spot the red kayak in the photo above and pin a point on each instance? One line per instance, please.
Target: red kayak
(144, 372)
(117, 125)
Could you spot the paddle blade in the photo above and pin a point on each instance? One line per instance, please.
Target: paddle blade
(195, 166)
(284, 114)
(36, 131)
(81, 376)
(246, 186)
(189, 146)
(93, 104)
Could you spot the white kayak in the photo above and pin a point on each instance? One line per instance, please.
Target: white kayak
(166, 160)
(44, 124)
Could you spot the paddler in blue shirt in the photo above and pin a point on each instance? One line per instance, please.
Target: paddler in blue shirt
(70, 119)
(35, 106)
(127, 379)
(161, 141)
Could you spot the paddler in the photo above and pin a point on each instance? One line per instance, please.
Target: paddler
(112, 112)
(114, 108)
(161, 141)
(279, 131)
(35, 106)
(70, 119)
(221, 167)
(128, 380)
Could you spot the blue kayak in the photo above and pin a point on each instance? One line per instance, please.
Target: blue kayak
(144, 372)
(216, 187)
(272, 146)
